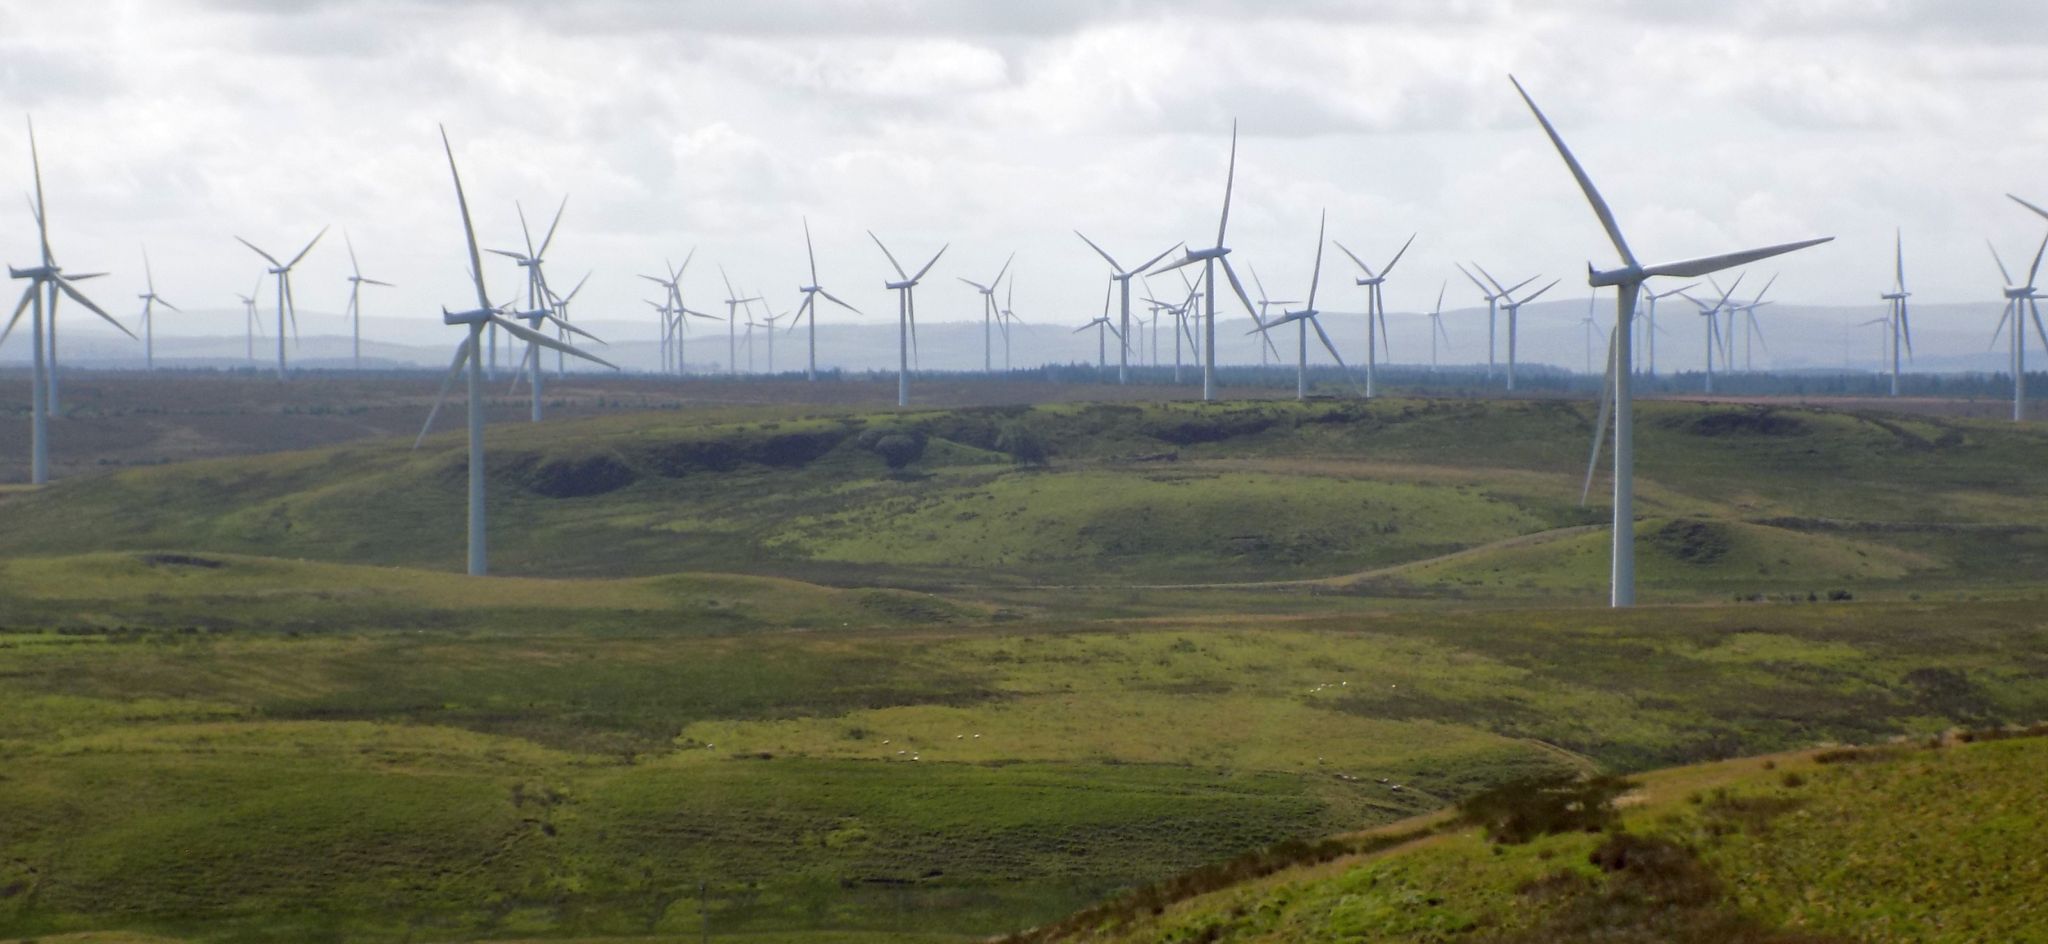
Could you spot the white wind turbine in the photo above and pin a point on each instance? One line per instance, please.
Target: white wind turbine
(1008, 318)
(906, 314)
(988, 313)
(1376, 312)
(1209, 258)
(252, 326)
(529, 364)
(1493, 293)
(1101, 325)
(150, 299)
(1752, 330)
(2021, 306)
(1305, 319)
(50, 277)
(537, 292)
(355, 304)
(470, 355)
(1715, 338)
(1650, 331)
(560, 305)
(673, 311)
(286, 308)
(1436, 323)
(808, 311)
(1513, 308)
(1627, 280)
(1122, 277)
(733, 301)
(1895, 308)
(1264, 303)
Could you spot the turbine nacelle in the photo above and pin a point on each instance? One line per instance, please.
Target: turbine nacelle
(899, 286)
(1611, 278)
(472, 316)
(279, 270)
(35, 272)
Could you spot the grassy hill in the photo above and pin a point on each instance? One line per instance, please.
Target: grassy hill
(1940, 843)
(229, 748)
(1740, 500)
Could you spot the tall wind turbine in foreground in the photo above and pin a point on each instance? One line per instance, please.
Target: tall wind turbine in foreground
(905, 288)
(1376, 312)
(47, 275)
(355, 303)
(1209, 258)
(808, 311)
(1514, 310)
(1122, 278)
(150, 299)
(285, 306)
(988, 313)
(470, 355)
(1895, 309)
(1628, 280)
(1304, 319)
(2020, 307)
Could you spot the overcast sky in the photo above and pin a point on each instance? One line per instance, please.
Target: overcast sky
(1002, 126)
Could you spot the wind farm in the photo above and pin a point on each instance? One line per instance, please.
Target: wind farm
(1085, 604)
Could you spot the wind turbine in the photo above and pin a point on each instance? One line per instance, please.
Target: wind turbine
(1376, 312)
(1592, 300)
(251, 325)
(732, 303)
(1895, 308)
(529, 363)
(537, 292)
(1264, 303)
(1436, 322)
(45, 276)
(285, 306)
(988, 313)
(1101, 340)
(560, 305)
(1752, 331)
(355, 306)
(1008, 318)
(2020, 307)
(808, 311)
(1209, 258)
(1305, 319)
(1713, 315)
(1650, 333)
(906, 314)
(1627, 280)
(1493, 293)
(672, 312)
(150, 299)
(469, 354)
(1514, 309)
(1122, 278)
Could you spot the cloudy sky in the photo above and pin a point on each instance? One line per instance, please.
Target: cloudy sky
(1002, 126)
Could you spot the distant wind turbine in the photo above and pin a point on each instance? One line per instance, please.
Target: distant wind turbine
(1715, 339)
(537, 292)
(286, 309)
(150, 299)
(1650, 331)
(1101, 325)
(1895, 308)
(1122, 277)
(733, 301)
(2021, 306)
(905, 288)
(1493, 292)
(1627, 280)
(355, 304)
(252, 326)
(470, 355)
(1307, 318)
(1266, 339)
(988, 313)
(1436, 323)
(1209, 257)
(808, 311)
(1514, 310)
(1376, 312)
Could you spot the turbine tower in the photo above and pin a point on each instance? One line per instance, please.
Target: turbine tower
(1209, 258)
(1304, 319)
(150, 299)
(808, 311)
(1627, 280)
(1436, 322)
(50, 277)
(2020, 307)
(1122, 278)
(906, 314)
(469, 354)
(1376, 311)
(355, 305)
(285, 306)
(988, 313)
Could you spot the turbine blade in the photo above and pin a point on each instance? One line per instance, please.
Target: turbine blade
(1389, 269)
(1362, 267)
(1149, 263)
(1996, 333)
(1238, 287)
(1105, 256)
(2002, 273)
(1481, 286)
(1229, 180)
(534, 337)
(1534, 295)
(272, 259)
(928, 265)
(1315, 275)
(905, 276)
(454, 371)
(572, 329)
(1600, 424)
(26, 297)
(353, 266)
(2036, 268)
(2039, 331)
(1694, 268)
(1005, 270)
(549, 239)
(1592, 193)
(835, 300)
(1899, 256)
(95, 309)
(309, 248)
(476, 263)
(2037, 210)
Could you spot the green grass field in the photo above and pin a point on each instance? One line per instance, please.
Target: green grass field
(748, 677)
